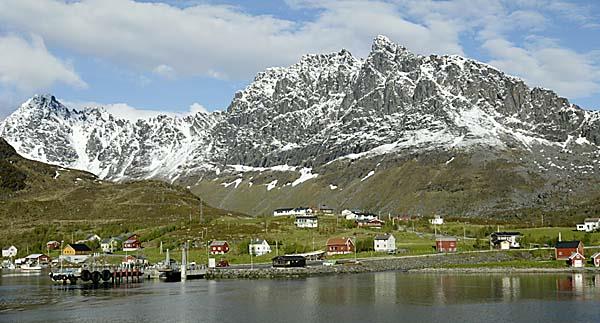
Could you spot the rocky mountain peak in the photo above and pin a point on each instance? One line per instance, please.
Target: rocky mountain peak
(324, 109)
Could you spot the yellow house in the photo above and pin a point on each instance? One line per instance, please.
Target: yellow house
(76, 249)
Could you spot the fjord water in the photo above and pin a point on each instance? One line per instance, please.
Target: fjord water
(373, 297)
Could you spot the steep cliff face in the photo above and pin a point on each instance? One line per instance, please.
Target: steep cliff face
(334, 126)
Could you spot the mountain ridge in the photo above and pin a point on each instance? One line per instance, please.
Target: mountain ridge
(298, 124)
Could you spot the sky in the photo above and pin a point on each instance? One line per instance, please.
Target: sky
(141, 57)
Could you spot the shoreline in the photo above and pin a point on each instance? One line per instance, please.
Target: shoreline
(431, 263)
(512, 270)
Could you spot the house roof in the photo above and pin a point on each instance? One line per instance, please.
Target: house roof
(218, 243)
(383, 236)
(34, 256)
(445, 239)
(132, 241)
(506, 233)
(568, 244)
(285, 209)
(596, 255)
(575, 254)
(591, 220)
(80, 247)
(259, 241)
(338, 241)
(106, 241)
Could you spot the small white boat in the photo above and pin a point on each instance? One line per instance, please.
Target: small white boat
(27, 266)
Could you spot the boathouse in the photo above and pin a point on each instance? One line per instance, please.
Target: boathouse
(340, 246)
(37, 258)
(564, 249)
(445, 244)
(596, 259)
(219, 247)
(576, 260)
(289, 261)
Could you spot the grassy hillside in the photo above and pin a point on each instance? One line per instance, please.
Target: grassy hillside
(40, 202)
(486, 185)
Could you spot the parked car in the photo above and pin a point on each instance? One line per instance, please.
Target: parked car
(223, 263)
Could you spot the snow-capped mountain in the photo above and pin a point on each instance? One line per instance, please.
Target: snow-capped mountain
(331, 119)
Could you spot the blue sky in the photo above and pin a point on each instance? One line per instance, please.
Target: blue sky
(172, 55)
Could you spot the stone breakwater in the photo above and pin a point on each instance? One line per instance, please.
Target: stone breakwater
(369, 265)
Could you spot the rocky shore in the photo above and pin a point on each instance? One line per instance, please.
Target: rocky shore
(495, 270)
(409, 263)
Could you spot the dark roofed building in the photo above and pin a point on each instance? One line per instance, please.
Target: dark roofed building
(289, 261)
(77, 249)
(564, 249)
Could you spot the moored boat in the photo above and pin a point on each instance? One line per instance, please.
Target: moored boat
(31, 267)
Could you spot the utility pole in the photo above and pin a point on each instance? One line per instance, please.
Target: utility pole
(251, 251)
(542, 219)
(201, 211)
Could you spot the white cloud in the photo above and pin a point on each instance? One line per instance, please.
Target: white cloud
(197, 107)
(119, 110)
(541, 61)
(128, 112)
(225, 42)
(28, 66)
(568, 73)
(215, 40)
(165, 71)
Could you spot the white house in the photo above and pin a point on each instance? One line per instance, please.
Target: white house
(385, 243)
(109, 245)
(310, 221)
(358, 215)
(293, 211)
(589, 225)
(437, 220)
(259, 247)
(9, 252)
(505, 240)
(93, 237)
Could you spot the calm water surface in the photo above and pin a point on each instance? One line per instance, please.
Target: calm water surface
(375, 297)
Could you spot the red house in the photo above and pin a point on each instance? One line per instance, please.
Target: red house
(564, 249)
(340, 246)
(445, 244)
(132, 243)
(52, 245)
(219, 247)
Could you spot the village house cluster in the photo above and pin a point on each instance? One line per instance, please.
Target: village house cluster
(76, 252)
